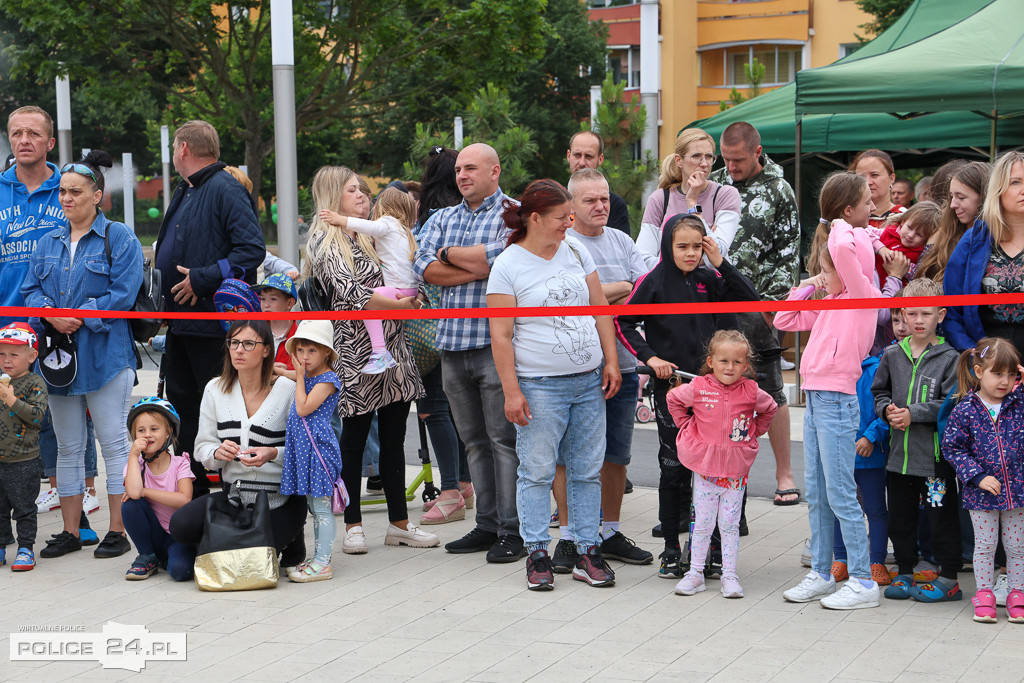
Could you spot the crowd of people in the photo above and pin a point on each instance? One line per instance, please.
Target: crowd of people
(912, 412)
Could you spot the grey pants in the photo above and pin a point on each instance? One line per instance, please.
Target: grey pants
(478, 407)
(19, 486)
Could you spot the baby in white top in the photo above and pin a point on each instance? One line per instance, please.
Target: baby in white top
(389, 226)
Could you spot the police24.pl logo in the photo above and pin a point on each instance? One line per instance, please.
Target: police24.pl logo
(118, 646)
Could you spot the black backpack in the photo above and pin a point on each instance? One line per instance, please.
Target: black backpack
(150, 298)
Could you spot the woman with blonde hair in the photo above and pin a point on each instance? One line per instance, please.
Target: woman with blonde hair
(683, 187)
(989, 259)
(347, 264)
(964, 195)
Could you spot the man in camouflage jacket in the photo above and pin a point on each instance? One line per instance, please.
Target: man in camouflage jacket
(766, 250)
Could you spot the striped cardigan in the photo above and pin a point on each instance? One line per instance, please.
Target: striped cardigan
(222, 417)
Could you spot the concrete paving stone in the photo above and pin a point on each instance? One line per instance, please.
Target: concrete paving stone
(674, 676)
(820, 663)
(697, 660)
(945, 658)
(742, 671)
(630, 667)
(408, 664)
(249, 660)
(284, 670)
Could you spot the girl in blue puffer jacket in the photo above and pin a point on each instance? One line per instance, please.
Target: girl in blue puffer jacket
(984, 443)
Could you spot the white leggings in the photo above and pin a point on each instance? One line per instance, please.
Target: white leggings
(987, 525)
(713, 503)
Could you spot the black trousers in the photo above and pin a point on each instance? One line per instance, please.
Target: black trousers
(905, 493)
(19, 486)
(675, 485)
(189, 364)
(391, 421)
(285, 523)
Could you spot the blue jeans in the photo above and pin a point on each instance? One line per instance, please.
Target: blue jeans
(48, 448)
(448, 448)
(150, 538)
(477, 402)
(871, 484)
(568, 420)
(109, 408)
(830, 430)
(324, 528)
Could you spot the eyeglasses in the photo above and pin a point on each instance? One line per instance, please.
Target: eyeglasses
(247, 344)
(696, 158)
(81, 169)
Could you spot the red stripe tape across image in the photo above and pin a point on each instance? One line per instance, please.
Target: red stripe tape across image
(639, 309)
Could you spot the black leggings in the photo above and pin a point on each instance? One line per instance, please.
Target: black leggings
(675, 486)
(391, 430)
(285, 523)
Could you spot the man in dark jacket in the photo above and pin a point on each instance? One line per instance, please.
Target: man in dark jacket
(210, 233)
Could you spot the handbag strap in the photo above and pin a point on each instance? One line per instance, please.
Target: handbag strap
(316, 450)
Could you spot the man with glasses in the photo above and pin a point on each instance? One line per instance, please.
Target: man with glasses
(210, 233)
(766, 250)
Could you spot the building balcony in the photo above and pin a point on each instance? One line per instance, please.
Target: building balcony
(727, 23)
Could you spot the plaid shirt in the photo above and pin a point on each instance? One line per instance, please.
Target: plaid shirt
(460, 226)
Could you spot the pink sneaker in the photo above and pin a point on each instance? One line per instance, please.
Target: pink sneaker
(1015, 606)
(731, 587)
(691, 583)
(984, 602)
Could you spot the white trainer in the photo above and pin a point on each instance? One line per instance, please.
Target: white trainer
(813, 587)
(47, 500)
(355, 541)
(691, 583)
(1001, 589)
(853, 595)
(90, 503)
(414, 537)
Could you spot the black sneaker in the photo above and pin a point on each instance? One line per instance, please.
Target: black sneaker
(670, 568)
(374, 485)
(476, 541)
(564, 558)
(593, 569)
(629, 486)
(657, 532)
(620, 548)
(744, 530)
(61, 544)
(508, 548)
(114, 544)
(539, 573)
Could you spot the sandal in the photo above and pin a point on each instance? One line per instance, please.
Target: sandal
(308, 572)
(444, 511)
(780, 501)
(984, 602)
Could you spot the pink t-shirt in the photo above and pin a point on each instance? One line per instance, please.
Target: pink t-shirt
(180, 468)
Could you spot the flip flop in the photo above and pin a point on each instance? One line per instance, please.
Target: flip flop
(786, 492)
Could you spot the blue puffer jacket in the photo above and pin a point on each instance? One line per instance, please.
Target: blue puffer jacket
(217, 236)
(963, 275)
(978, 446)
(872, 427)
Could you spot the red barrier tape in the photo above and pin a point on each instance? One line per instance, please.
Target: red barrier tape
(620, 309)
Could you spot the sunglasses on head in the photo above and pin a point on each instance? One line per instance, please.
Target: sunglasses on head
(81, 169)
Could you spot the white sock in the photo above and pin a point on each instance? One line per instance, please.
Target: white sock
(609, 529)
(566, 534)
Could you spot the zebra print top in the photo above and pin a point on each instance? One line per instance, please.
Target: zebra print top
(222, 417)
(361, 393)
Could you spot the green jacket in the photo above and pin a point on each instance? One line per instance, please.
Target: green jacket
(922, 386)
(766, 248)
(20, 424)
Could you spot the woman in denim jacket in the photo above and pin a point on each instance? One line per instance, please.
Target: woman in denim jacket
(72, 267)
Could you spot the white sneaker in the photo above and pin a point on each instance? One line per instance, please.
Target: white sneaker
(47, 500)
(813, 587)
(731, 587)
(90, 503)
(691, 583)
(805, 556)
(1001, 589)
(787, 365)
(355, 541)
(853, 595)
(414, 537)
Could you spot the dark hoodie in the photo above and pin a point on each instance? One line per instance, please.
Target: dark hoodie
(681, 339)
(24, 218)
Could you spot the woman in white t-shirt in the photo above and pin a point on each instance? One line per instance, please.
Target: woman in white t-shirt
(556, 372)
(683, 187)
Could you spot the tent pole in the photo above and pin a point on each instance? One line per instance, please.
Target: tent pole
(798, 191)
(992, 151)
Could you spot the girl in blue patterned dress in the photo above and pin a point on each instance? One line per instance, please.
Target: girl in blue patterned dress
(310, 438)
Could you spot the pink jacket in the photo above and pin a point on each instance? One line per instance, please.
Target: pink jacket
(719, 424)
(840, 340)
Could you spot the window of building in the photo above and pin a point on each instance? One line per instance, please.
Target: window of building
(781, 62)
(847, 49)
(624, 65)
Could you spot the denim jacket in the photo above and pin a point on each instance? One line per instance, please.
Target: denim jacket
(105, 346)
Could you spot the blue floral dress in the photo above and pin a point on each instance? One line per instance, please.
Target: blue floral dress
(302, 473)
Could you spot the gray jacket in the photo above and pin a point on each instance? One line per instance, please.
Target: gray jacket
(921, 386)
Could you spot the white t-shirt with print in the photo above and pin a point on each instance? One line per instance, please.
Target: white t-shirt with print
(549, 346)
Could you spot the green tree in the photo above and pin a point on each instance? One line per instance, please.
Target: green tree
(885, 13)
(213, 60)
(754, 71)
(622, 125)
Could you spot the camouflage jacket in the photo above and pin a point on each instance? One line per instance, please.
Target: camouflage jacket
(766, 248)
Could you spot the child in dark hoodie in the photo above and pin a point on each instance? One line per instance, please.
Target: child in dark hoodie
(910, 385)
(679, 342)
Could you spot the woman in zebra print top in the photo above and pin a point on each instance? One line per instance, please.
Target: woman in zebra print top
(241, 433)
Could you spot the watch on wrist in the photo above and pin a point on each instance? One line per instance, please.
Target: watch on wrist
(444, 255)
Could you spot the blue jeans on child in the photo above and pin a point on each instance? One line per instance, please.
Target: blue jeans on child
(149, 538)
(568, 419)
(325, 529)
(830, 430)
(871, 483)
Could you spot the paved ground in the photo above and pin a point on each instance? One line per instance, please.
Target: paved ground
(398, 614)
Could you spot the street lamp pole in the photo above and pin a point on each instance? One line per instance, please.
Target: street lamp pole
(286, 160)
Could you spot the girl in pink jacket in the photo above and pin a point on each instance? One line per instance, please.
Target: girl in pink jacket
(841, 261)
(720, 415)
